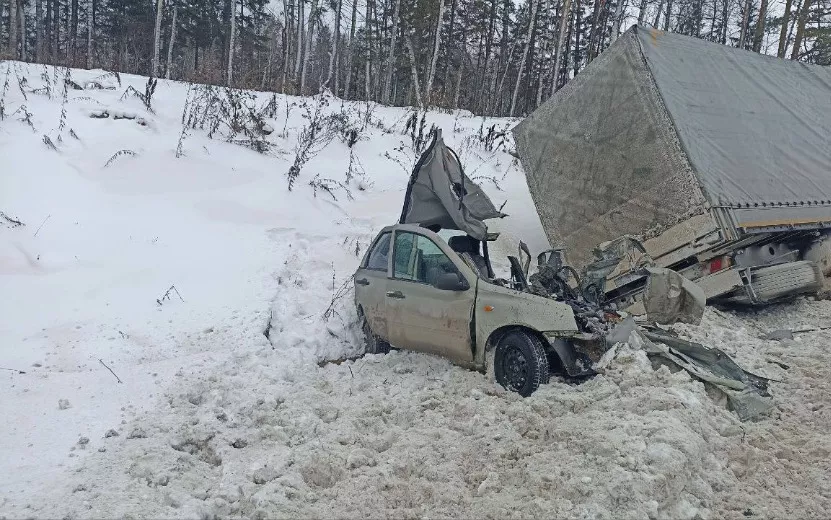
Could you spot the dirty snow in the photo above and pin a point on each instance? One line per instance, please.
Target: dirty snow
(215, 419)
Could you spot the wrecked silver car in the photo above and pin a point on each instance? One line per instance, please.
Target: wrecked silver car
(416, 291)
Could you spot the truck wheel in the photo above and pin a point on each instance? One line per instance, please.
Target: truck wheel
(372, 343)
(780, 281)
(520, 363)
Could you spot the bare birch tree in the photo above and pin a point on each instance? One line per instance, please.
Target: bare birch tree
(800, 28)
(642, 12)
(619, 8)
(385, 98)
(90, 29)
(21, 18)
(13, 28)
(154, 67)
(561, 39)
(232, 45)
(414, 72)
(308, 51)
(428, 89)
(368, 63)
(300, 22)
(541, 82)
(531, 23)
(171, 43)
(745, 21)
(39, 31)
(783, 33)
(351, 49)
(760, 27)
(333, 55)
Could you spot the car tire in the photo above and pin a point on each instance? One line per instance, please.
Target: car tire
(372, 343)
(520, 363)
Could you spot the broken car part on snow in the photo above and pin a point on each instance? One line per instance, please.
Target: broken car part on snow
(660, 137)
(417, 291)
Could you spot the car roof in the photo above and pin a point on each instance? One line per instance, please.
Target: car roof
(415, 228)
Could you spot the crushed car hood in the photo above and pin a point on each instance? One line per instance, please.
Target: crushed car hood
(440, 193)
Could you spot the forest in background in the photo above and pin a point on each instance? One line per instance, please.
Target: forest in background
(495, 57)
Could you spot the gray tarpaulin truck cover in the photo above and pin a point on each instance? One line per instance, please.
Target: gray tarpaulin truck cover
(440, 193)
(660, 127)
(756, 129)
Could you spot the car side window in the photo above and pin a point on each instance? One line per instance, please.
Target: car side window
(419, 259)
(377, 259)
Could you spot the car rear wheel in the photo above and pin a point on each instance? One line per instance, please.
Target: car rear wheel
(520, 363)
(372, 343)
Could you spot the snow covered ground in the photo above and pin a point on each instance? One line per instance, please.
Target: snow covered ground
(213, 418)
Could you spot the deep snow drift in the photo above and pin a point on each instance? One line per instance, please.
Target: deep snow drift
(215, 419)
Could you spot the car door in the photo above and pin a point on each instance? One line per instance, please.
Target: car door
(370, 284)
(420, 316)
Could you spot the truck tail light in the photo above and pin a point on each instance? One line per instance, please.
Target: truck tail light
(717, 264)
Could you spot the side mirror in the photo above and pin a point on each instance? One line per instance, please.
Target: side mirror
(451, 282)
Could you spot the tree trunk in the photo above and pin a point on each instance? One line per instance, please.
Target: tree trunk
(385, 98)
(56, 30)
(760, 27)
(458, 90)
(745, 21)
(300, 21)
(73, 32)
(334, 54)
(21, 15)
(90, 28)
(498, 93)
(800, 28)
(428, 89)
(308, 51)
(288, 9)
(669, 14)
(13, 29)
(450, 47)
(368, 64)
(618, 19)
(66, 33)
(480, 104)
(47, 30)
(39, 31)
(530, 62)
(351, 50)
(157, 35)
(783, 33)
(657, 21)
(232, 44)
(564, 18)
(578, 21)
(541, 82)
(171, 43)
(268, 70)
(531, 23)
(642, 11)
(414, 72)
(596, 19)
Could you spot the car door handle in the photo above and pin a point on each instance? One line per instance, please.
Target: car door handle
(396, 294)
(362, 281)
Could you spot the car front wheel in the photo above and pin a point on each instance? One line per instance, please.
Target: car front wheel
(520, 363)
